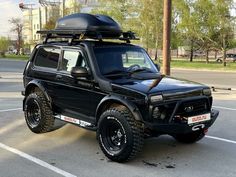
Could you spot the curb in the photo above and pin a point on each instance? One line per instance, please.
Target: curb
(223, 88)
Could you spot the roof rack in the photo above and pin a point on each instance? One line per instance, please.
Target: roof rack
(72, 35)
(87, 26)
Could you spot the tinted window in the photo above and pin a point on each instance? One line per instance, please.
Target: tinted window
(72, 59)
(47, 57)
(122, 59)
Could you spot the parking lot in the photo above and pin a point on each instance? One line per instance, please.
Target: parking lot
(72, 151)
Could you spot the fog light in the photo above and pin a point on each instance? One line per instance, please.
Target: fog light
(156, 113)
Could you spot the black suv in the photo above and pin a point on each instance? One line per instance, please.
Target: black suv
(113, 88)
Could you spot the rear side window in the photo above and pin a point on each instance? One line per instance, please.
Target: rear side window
(47, 57)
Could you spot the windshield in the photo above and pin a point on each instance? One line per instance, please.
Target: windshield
(118, 60)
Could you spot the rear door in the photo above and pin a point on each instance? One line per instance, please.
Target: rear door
(45, 66)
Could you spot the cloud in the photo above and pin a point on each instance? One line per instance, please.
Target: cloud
(8, 9)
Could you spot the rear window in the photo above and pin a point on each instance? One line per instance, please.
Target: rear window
(47, 57)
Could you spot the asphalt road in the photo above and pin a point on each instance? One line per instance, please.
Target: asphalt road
(11, 65)
(210, 78)
(72, 151)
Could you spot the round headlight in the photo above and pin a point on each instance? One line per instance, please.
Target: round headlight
(206, 92)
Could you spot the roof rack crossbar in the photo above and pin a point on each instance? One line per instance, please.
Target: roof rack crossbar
(80, 34)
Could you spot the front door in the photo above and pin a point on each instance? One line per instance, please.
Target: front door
(74, 98)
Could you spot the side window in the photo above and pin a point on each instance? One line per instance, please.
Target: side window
(47, 57)
(72, 59)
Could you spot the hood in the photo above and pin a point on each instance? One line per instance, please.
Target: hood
(162, 84)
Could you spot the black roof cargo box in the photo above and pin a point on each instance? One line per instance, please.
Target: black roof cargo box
(90, 24)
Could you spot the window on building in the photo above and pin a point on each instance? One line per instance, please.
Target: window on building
(72, 59)
(47, 57)
(37, 26)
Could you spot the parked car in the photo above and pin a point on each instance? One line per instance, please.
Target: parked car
(113, 88)
(229, 58)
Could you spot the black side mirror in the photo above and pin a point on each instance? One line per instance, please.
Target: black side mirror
(158, 67)
(79, 72)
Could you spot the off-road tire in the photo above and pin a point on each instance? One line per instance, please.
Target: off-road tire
(190, 138)
(45, 121)
(131, 130)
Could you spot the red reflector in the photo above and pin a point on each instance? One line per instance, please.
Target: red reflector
(205, 131)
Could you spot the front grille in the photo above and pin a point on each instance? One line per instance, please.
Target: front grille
(190, 108)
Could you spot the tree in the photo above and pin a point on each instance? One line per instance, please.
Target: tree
(204, 12)
(123, 11)
(51, 22)
(75, 8)
(17, 27)
(205, 24)
(224, 38)
(4, 44)
(185, 24)
(151, 15)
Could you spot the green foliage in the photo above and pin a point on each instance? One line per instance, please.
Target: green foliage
(4, 44)
(123, 11)
(205, 24)
(151, 15)
(202, 65)
(51, 23)
(76, 7)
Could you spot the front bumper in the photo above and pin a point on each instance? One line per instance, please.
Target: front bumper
(181, 128)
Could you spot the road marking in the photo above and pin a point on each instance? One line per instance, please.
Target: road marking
(36, 160)
(221, 139)
(221, 107)
(8, 110)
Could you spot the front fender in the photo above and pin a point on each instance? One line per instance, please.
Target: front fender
(116, 99)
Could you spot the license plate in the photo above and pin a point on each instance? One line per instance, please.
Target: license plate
(199, 118)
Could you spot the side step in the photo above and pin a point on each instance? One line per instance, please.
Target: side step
(77, 122)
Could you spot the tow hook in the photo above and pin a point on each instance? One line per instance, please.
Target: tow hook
(198, 127)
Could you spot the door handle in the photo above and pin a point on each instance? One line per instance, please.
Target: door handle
(58, 77)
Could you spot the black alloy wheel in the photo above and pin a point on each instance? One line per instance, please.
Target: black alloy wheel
(120, 136)
(38, 114)
(33, 113)
(113, 135)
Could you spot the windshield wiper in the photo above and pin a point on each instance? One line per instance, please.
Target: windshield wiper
(116, 73)
(140, 70)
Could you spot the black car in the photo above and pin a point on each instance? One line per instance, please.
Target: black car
(79, 76)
